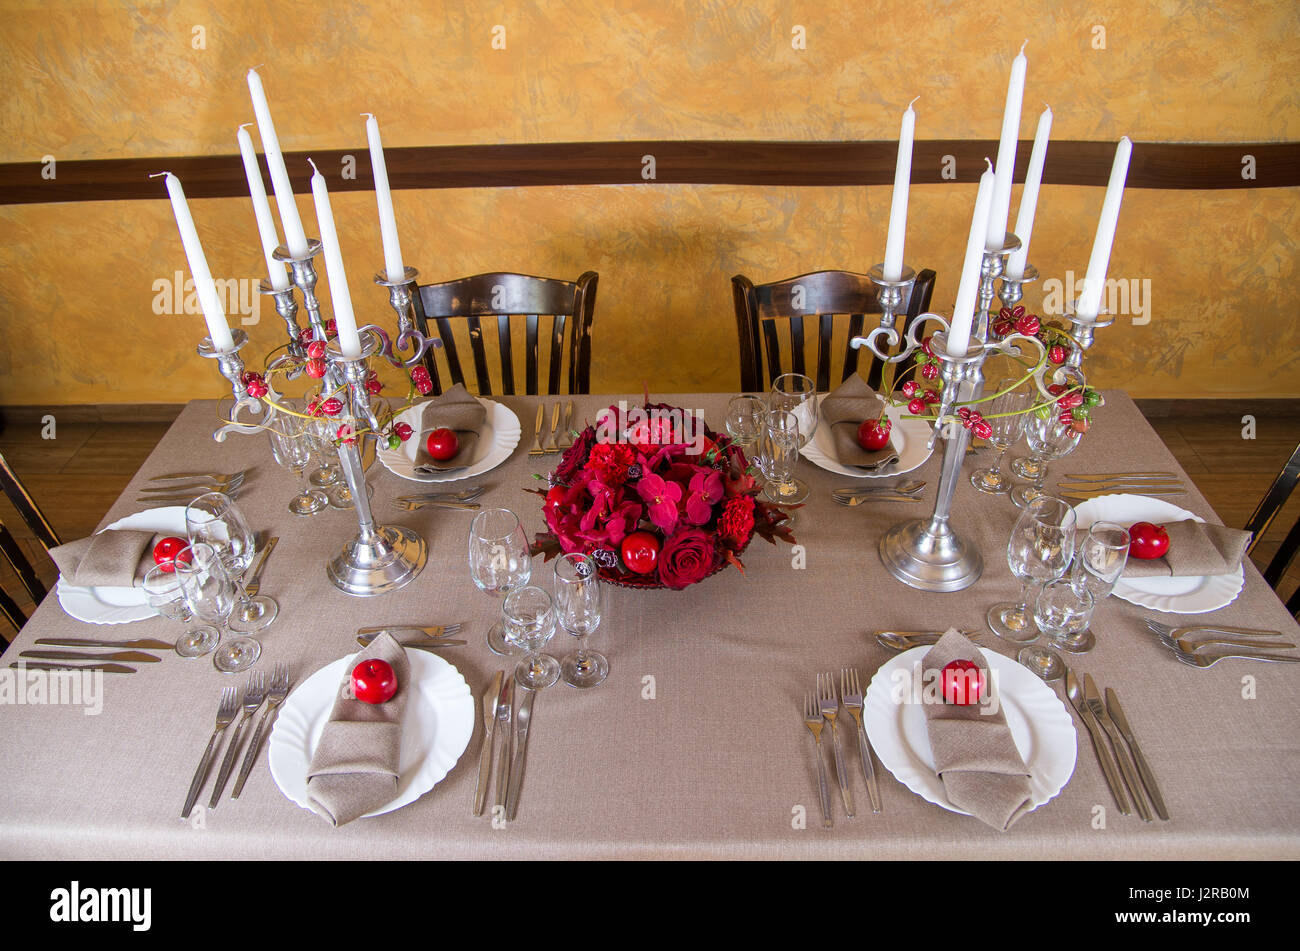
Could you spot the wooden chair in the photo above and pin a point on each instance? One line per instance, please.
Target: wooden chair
(1269, 506)
(569, 306)
(40, 526)
(824, 294)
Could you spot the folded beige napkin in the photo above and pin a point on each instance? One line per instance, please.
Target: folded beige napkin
(118, 557)
(1195, 548)
(456, 409)
(843, 412)
(355, 767)
(974, 754)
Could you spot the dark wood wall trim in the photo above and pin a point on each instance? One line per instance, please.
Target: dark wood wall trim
(1154, 165)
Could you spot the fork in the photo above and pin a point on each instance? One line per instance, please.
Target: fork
(442, 630)
(566, 434)
(468, 494)
(226, 711)
(184, 498)
(431, 646)
(551, 445)
(852, 500)
(200, 476)
(219, 485)
(1189, 645)
(851, 691)
(254, 694)
(537, 449)
(412, 505)
(1111, 476)
(830, 708)
(1157, 628)
(1209, 660)
(278, 691)
(909, 487)
(812, 719)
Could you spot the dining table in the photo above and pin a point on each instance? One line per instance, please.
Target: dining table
(695, 745)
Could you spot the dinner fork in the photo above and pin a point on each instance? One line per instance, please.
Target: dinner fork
(441, 630)
(830, 707)
(1189, 644)
(852, 500)
(431, 646)
(537, 449)
(186, 497)
(851, 691)
(551, 445)
(1158, 628)
(200, 476)
(278, 691)
(812, 719)
(411, 506)
(1209, 660)
(226, 711)
(467, 494)
(254, 694)
(566, 434)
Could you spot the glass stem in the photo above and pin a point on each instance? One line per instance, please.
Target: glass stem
(1022, 605)
(1042, 473)
(995, 472)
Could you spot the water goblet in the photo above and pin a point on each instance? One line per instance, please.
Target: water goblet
(1006, 417)
(214, 518)
(1062, 612)
(162, 589)
(529, 618)
(778, 453)
(580, 606)
(1040, 550)
(745, 419)
(499, 562)
(209, 593)
(1048, 439)
(795, 393)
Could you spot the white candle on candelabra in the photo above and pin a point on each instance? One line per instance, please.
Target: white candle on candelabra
(393, 266)
(213, 312)
(1029, 197)
(963, 312)
(1095, 281)
(898, 209)
(349, 341)
(1005, 169)
(294, 237)
(262, 212)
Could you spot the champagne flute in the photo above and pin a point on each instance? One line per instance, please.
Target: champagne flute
(209, 592)
(529, 617)
(1006, 417)
(580, 605)
(1062, 612)
(499, 562)
(1040, 550)
(1048, 439)
(162, 589)
(795, 393)
(215, 519)
(778, 453)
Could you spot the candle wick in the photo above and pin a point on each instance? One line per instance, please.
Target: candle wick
(367, 115)
(313, 166)
(158, 174)
(1022, 47)
(989, 162)
(913, 102)
(246, 125)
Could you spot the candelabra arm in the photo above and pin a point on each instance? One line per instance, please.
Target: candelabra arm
(302, 269)
(401, 297)
(992, 266)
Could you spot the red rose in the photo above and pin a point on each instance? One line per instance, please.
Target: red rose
(686, 558)
(736, 523)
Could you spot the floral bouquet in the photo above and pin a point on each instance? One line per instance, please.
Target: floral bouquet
(655, 498)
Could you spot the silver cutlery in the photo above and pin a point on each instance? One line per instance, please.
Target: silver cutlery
(1143, 768)
(279, 690)
(851, 692)
(1112, 476)
(1144, 488)
(551, 445)
(906, 640)
(200, 476)
(443, 630)
(106, 668)
(505, 707)
(254, 694)
(1158, 628)
(812, 719)
(141, 644)
(201, 486)
(830, 707)
(537, 431)
(1085, 496)
(522, 722)
(467, 494)
(130, 657)
(1190, 645)
(432, 647)
(1074, 694)
(490, 700)
(852, 500)
(910, 487)
(225, 716)
(183, 498)
(1209, 660)
(437, 504)
(253, 585)
(1092, 697)
(566, 433)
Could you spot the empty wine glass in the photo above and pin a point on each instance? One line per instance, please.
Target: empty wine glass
(1103, 553)
(529, 618)
(209, 592)
(745, 419)
(778, 453)
(162, 589)
(1040, 550)
(1006, 416)
(1048, 439)
(214, 518)
(320, 438)
(580, 605)
(499, 562)
(795, 393)
(292, 444)
(1062, 612)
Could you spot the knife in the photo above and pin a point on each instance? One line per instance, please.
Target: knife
(1092, 697)
(521, 752)
(537, 431)
(142, 644)
(107, 668)
(431, 646)
(251, 587)
(1098, 743)
(1144, 769)
(135, 657)
(489, 735)
(505, 706)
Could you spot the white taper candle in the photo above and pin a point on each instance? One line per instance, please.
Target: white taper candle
(898, 208)
(1095, 281)
(275, 270)
(963, 312)
(213, 312)
(1029, 197)
(294, 237)
(344, 320)
(393, 266)
(1005, 169)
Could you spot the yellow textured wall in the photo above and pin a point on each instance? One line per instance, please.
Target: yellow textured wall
(88, 80)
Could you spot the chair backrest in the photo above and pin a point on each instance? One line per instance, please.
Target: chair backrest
(819, 296)
(539, 301)
(13, 554)
(1267, 510)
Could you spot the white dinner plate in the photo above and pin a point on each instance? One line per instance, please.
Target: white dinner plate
(500, 435)
(114, 605)
(910, 438)
(1192, 595)
(1040, 725)
(436, 728)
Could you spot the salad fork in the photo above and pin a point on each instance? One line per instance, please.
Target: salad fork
(254, 694)
(1209, 660)
(226, 711)
(812, 719)
(830, 707)
(279, 690)
(851, 691)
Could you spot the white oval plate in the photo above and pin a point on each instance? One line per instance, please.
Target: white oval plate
(115, 605)
(1192, 595)
(436, 728)
(910, 437)
(496, 442)
(1040, 726)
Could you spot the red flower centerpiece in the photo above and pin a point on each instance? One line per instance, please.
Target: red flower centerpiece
(658, 474)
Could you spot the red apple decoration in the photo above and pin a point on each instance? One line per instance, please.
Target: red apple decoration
(165, 552)
(442, 444)
(373, 681)
(640, 552)
(873, 434)
(1147, 541)
(963, 683)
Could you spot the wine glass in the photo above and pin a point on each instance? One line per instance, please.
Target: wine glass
(1040, 550)
(162, 589)
(292, 444)
(529, 617)
(1103, 553)
(209, 592)
(320, 439)
(1062, 612)
(745, 419)
(499, 562)
(778, 453)
(580, 606)
(216, 520)
(1006, 417)
(795, 393)
(1048, 439)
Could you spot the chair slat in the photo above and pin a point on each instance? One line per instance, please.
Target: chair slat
(530, 334)
(557, 353)
(824, 331)
(27, 508)
(773, 347)
(1276, 496)
(797, 346)
(475, 326)
(507, 362)
(450, 352)
(856, 322)
(18, 561)
(1285, 555)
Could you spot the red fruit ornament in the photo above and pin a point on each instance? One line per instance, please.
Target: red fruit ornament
(963, 683)
(420, 377)
(910, 389)
(982, 429)
(916, 407)
(374, 681)
(931, 397)
(1028, 325)
(930, 371)
(640, 552)
(315, 368)
(1057, 354)
(442, 444)
(873, 434)
(316, 349)
(373, 386)
(403, 431)
(165, 552)
(346, 434)
(331, 329)
(331, 407)
(1147, 541)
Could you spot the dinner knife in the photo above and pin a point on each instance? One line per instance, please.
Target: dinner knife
(142, 644)
(505, 706)
(1072, 691)
(106, 668)
(134, 657)
(1144, 769)
(253, 585)
(1092, 697)
(522, 722)
(431, 646)
(537, 431)
(489, 733)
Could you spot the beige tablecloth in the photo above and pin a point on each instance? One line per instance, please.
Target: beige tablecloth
(695, 746)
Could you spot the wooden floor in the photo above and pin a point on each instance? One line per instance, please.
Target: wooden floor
(78, 474)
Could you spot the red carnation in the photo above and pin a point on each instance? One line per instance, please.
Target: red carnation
(736, 523)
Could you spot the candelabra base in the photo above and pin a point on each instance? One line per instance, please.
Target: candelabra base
(388, 560)
(929, 556)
